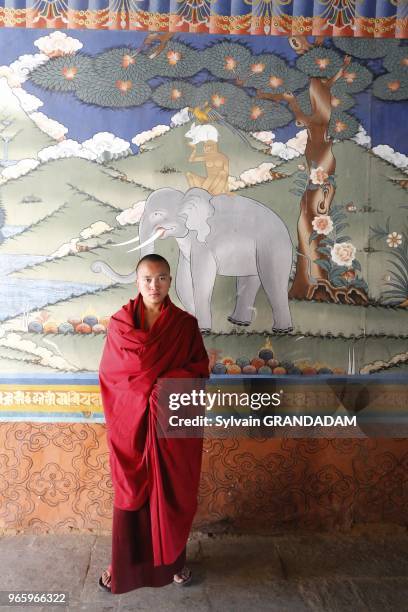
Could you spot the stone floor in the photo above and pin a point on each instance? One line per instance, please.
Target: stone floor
(331, 572)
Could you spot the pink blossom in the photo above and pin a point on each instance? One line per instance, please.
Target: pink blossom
(322, 224)
(343, 253)
(318, 175)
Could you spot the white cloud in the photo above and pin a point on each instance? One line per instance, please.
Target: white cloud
(234, 183)
(298, 142)
(66, 148)
(132, 215)
(362, 138)
(280, 149)
(95, 229)
(107, 146)
(28, 103)
(386, 152)
(47, 357)
(266, 137)
(24, 166)
(12, 79)
(58, 43)
(26, 64)
(49, 126)
(143, 137)
(180, 118)
(259, 174)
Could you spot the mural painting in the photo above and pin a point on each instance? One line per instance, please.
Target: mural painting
(270, 172)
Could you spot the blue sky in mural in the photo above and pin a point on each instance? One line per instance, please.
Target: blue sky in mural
(126, 123)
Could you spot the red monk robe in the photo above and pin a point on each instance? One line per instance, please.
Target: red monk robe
(163, 473)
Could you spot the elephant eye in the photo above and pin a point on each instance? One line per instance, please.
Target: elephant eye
(157, 214)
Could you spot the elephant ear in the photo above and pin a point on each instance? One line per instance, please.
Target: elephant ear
(197, 208)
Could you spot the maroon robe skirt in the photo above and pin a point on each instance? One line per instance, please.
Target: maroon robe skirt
(132, 553)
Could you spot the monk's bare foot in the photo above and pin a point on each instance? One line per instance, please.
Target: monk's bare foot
(183, 577)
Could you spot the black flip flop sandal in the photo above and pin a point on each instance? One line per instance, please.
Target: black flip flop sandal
(103, 586)
(185, 580)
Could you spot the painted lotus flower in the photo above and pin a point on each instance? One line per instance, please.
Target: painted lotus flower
(343, 253)
(318, 175)
(322, 224)
(394, 240)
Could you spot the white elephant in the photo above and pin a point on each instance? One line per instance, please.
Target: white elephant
(228, 235)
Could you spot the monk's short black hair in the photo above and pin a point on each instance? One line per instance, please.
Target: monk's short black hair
(154, 258)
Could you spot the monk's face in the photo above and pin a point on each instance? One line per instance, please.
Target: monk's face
(153, 282)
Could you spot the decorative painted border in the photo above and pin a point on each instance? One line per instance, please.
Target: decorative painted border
(55, 14)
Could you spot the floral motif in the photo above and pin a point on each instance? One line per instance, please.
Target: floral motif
(257, 68)
(318, 175)
(175, 94)
(256, 111)
(124, 86)
(217, 100)
(340, 126)
(350, 77)
(127, 60)
(275, 81)
(322, 62)
(52, 484)
(173, 57)
(394, 85)
(322, 224)
(69, 72)
(335, 102)
(230, 63)
(394, 240)
(343, 253)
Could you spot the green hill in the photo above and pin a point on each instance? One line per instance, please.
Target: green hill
(165, 160)
(52, 184)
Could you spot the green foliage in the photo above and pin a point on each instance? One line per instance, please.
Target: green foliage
(177, 60)
(123, 63)
(108, 92)
(397, 61)
(227, 60)
(342, 125)
(341, 101)
(392, 86)
(356, 78)
(398, 284)
(365, 48)
(320, 62)
(167, 95)
(336, 273)
(55, 74)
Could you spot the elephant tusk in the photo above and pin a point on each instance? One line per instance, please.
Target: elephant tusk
(156, 235)
(127, 242)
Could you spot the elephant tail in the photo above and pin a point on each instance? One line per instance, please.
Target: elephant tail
(104, 268)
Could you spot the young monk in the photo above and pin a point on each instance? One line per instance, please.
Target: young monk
(155, 480)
